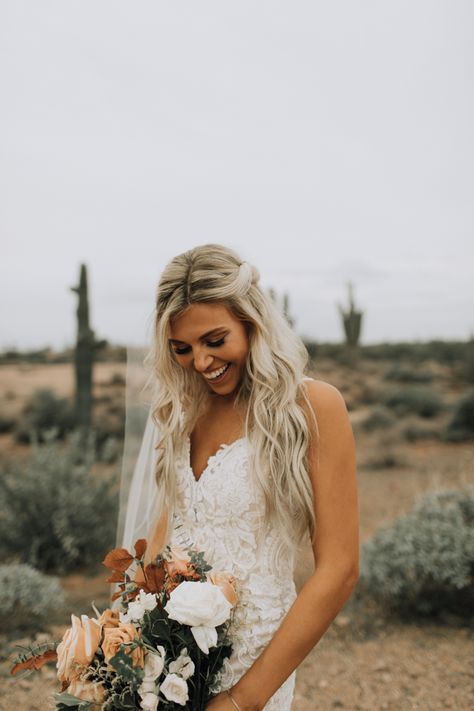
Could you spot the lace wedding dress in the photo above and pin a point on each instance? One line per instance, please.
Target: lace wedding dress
(221, 514)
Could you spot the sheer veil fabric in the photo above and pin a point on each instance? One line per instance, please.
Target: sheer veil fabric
(137, 505)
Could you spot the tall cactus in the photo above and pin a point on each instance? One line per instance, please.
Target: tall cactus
(86, 345)
(352, 321)
(286, 309)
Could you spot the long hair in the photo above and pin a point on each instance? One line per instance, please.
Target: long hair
(271, 388)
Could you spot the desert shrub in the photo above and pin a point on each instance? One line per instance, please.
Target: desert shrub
(467, 366)
(45, 411)
(110, 450)
(7, 423)
(54, 513)
(404, 374)
(380, 418)
(461, 426)
(413, 432)
(424, 562)
(415, 400)
(27, 596)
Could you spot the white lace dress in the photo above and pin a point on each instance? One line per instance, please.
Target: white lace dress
(220, 514)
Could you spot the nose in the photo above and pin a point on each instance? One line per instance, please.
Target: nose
(202, 361)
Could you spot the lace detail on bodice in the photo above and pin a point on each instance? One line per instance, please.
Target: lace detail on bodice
(221, 514)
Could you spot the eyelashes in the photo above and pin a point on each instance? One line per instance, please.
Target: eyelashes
(211, 344)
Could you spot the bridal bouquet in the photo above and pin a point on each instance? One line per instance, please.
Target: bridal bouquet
(161, 646)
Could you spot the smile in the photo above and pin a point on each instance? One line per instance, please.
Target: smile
(216, 374)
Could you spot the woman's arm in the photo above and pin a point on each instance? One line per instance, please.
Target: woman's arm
(335, 549)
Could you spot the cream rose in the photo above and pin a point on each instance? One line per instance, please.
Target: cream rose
(123, 634)
(183, 665)
(195, 603)
(154, 663)
(149, 702)
(174, 688)
(77, 647)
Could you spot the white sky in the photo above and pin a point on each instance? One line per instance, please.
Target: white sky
(324, 141)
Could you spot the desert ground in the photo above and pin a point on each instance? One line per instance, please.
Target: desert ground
(367, 660)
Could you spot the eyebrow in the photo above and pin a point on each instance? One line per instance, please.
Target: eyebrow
(205, 335)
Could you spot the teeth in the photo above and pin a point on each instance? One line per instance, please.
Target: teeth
(215, 373)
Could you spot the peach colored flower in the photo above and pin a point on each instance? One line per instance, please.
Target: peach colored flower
(77, 647)
(227, 584)
(123, 634)
(109, 618)
(87, 691)
(177, 562)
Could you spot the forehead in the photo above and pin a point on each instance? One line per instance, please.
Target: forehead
(200, 318)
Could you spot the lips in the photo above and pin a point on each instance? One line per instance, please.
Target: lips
(221, 375)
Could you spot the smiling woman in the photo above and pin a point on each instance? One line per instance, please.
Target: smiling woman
(232, 402)
(221, 361)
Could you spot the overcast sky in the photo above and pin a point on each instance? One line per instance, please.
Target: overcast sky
(325, 142)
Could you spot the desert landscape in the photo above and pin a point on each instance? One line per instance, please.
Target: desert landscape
(371, 658)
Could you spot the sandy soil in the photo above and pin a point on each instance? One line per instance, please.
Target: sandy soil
(365, 661)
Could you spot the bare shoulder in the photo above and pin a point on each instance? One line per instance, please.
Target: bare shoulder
(326, 400)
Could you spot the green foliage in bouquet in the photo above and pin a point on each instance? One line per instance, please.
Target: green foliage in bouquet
(28, 597)
(54, 513)
(424, 562)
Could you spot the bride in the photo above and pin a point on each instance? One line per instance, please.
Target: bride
(252, 460)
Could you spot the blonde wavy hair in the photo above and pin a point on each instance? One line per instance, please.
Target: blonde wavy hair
(271, 389)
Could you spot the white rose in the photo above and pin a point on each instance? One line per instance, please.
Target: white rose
(205, 637)
(154, 663)
(146, 687)
(174, 688)
(136, 608)
(198, 604)
(148, 600)
(149, 702)
(183, 665)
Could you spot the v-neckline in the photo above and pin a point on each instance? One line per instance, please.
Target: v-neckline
(220, 450)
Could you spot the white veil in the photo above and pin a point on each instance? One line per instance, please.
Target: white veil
(137, 486)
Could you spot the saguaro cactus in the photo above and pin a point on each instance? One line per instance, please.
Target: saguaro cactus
(352, 321)
(86, 345)
(286, 309)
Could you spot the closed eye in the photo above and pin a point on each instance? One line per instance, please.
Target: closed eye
(211, 344)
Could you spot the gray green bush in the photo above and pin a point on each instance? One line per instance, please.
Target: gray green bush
(55, 514)
(414, 399)
(405, 374)
(461, 425)
(380, 417)
(27, 596)
(424, 562)
(45, 411)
